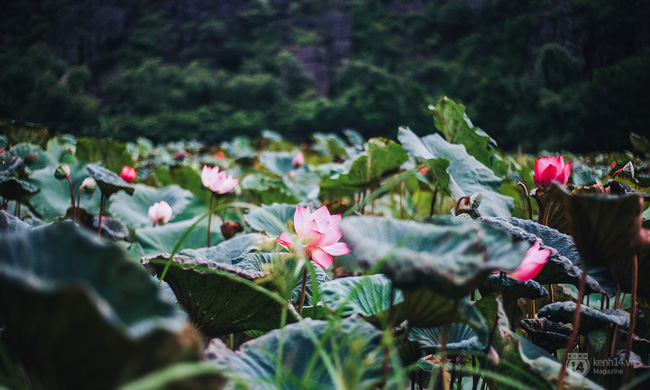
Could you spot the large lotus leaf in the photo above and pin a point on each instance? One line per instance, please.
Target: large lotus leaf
(11, 224)
(220, 298)
(547, 334)
(278, 162)
(61, 145)
(367, 296)
(353, 344)
(590, 318)
(329, 145)
(66, 296)
(181, 376)
(239, 147)
(511, 289)
(163, 238)
(461, 337)
(640, 143)
(450, 118)
(453, 257)
(564, 264)
(606, 229)
(107, 181)
(270, 190)
(228, 250)
(11, 165)
(381, 157)
(304, 183)
(133, 210)
(54, 198)
(24, 132)
(467, 175)
(271, 219)
(110, 153)
(283, 267)
(42, 159)
(13, 188)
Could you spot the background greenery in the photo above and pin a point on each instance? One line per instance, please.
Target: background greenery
(236, 73)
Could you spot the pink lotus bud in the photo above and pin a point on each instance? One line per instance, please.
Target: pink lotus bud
(493, 357)
(531, 265)
(160, 213)
(128, 174)
(298, 160)
(318, 235)
(221, 155)
(549, 169)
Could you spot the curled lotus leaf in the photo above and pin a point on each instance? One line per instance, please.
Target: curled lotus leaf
(108, 182)
(16, 189)
(74, 287)
(564, 264)
(511, 289)
(452, 255)
(367, 296)
(227, 250)
(221, 298)
(590, 318)
(352, 342)
(461, 338)
(10, 223)
(546, 334)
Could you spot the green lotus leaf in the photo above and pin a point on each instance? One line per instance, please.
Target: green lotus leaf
(381, 157)
(278, 162)
(42, 158)
(17, 132)
(453, 256)
(184, 176)
(353, 343)
(132, 210)
(304, 183)
(283, 265)
(112, 228)
(54, 198)
(467, 175)
(270, 190)
(107, 181)
(271, 219)
(461, 338)
(640, 143)
(110, 153)
(16, 189)
(240, 147)
(11, 165)
(163, 238)
(11, 224)
(220, 298)
(511, 289)
(230, 249)
(367, 296)
(547, 334)
(590, 318)
(450, 119)
(564, 264)
(330, 145)
(73, 287)
(62, 146)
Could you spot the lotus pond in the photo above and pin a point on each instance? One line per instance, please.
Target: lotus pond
(433, 261)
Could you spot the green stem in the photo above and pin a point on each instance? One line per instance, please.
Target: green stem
(210, 217)
(530, 209)
(78, 213)
(303, 289)
(443, 346)
(71, 196)
(102, 200)
(630, 332)
(574, 332)
(433, 202)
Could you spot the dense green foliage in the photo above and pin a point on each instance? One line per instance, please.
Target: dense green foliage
(237, 75)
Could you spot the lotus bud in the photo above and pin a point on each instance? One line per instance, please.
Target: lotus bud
(298, 160)
(62, 171)
(31, 158)
(475, 200)
(89, 185)
(230, 228)
(128, 174)
(493, 357)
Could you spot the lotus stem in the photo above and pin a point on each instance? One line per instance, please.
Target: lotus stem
(527, 197)
(443, 346)
(336, 261)
(576, 326)
(540, 206)
(602, 301)
(401, 201)
(71, 196)
(433, 203)
(303, 288)
(611, 347)
(17, 209)
(77, 214)
(494, 324)
(551, 293)
(630, 332)
(617, 299)
(210, 216)
(465, 198)
(102, 200)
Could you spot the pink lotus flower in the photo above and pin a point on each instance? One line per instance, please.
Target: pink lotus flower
(531, 265)
(548, 169)
(128, 174)
(318, 235)
(298, 160)
(217, 181)
(160, 213)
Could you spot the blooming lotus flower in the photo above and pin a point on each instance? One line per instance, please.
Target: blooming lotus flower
(531, 265)
(298, 160)
(217, 181)
(128, 174)
(548, 169)
(318, 235)
(160, 213)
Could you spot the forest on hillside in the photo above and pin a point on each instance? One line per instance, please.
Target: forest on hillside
(535, 74)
